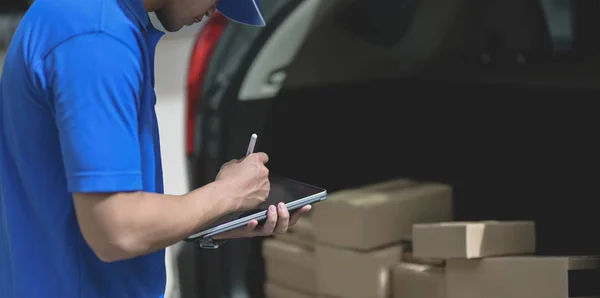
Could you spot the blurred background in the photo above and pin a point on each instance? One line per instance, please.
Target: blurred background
(409, 112)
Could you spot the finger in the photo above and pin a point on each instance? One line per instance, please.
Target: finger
(262, 157)
(251, 226)
(228, 163)
(283, 219)
(296, 214)
(269, 226)
(248, 231)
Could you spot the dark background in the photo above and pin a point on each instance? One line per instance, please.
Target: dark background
(13, 6)
(10, 15)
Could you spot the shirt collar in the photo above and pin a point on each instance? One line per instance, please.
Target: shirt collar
(153, 35)
(136, 7)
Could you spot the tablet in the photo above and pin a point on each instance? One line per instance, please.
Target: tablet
(294, 194)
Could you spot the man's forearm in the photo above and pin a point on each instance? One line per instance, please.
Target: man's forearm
(125, 225)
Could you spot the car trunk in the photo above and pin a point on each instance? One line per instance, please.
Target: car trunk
(498, 107)
(494, 98)
(510, 151)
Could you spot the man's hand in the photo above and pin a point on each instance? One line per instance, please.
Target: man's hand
(249, 179)
(278, 221)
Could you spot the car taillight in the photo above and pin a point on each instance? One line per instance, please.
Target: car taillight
(205, 44)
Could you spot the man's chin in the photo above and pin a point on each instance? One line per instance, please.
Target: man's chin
(168, 26)
(171, 27)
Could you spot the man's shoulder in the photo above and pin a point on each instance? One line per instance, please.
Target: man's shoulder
(57, 20)
(49, 23)
(83, 26)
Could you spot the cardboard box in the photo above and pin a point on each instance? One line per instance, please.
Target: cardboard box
(351, 274)
(523, 277)
(301, 234)
(290, 266)
(368, 219)
(418, 281)
(295, 239)
(304, 226)
(408, 257)
(468, 240)
(382, 186)
(275, 291)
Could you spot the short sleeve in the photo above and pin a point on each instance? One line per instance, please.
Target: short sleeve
(96, 81)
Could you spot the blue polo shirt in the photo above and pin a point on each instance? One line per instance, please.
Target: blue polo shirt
(76, 115)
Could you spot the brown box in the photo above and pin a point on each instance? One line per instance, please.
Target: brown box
(368, 219)
(304, 226)
(290, 266)
(382, 186)
(350, 274)
(408, 257)
(418, 281)
(275, 291)
(468, 240)
(523, 277)
(301, 234)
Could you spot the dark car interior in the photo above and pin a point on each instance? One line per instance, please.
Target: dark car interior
(506, 120)
(500, 107)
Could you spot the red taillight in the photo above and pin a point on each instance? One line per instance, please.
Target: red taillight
(205, 44)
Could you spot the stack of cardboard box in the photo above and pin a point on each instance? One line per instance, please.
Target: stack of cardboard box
(360, 234)
(493, 259)
(397, 240)
(358, 237)
(290, 263)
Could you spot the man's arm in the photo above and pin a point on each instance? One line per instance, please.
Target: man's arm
(124, 225)
(97, 82)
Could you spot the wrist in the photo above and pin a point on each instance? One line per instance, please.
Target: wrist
(208, 203)
(228, 195)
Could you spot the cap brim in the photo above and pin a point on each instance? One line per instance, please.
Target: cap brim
(242, 11)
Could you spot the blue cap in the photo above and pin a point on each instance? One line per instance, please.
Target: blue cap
(242, 11)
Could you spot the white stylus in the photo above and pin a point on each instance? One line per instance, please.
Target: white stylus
(251, 144)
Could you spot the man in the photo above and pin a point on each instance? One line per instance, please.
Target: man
(82, 212)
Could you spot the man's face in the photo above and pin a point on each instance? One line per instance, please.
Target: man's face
(178, 13)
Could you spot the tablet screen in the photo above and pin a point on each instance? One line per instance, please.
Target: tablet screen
(282, 190)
